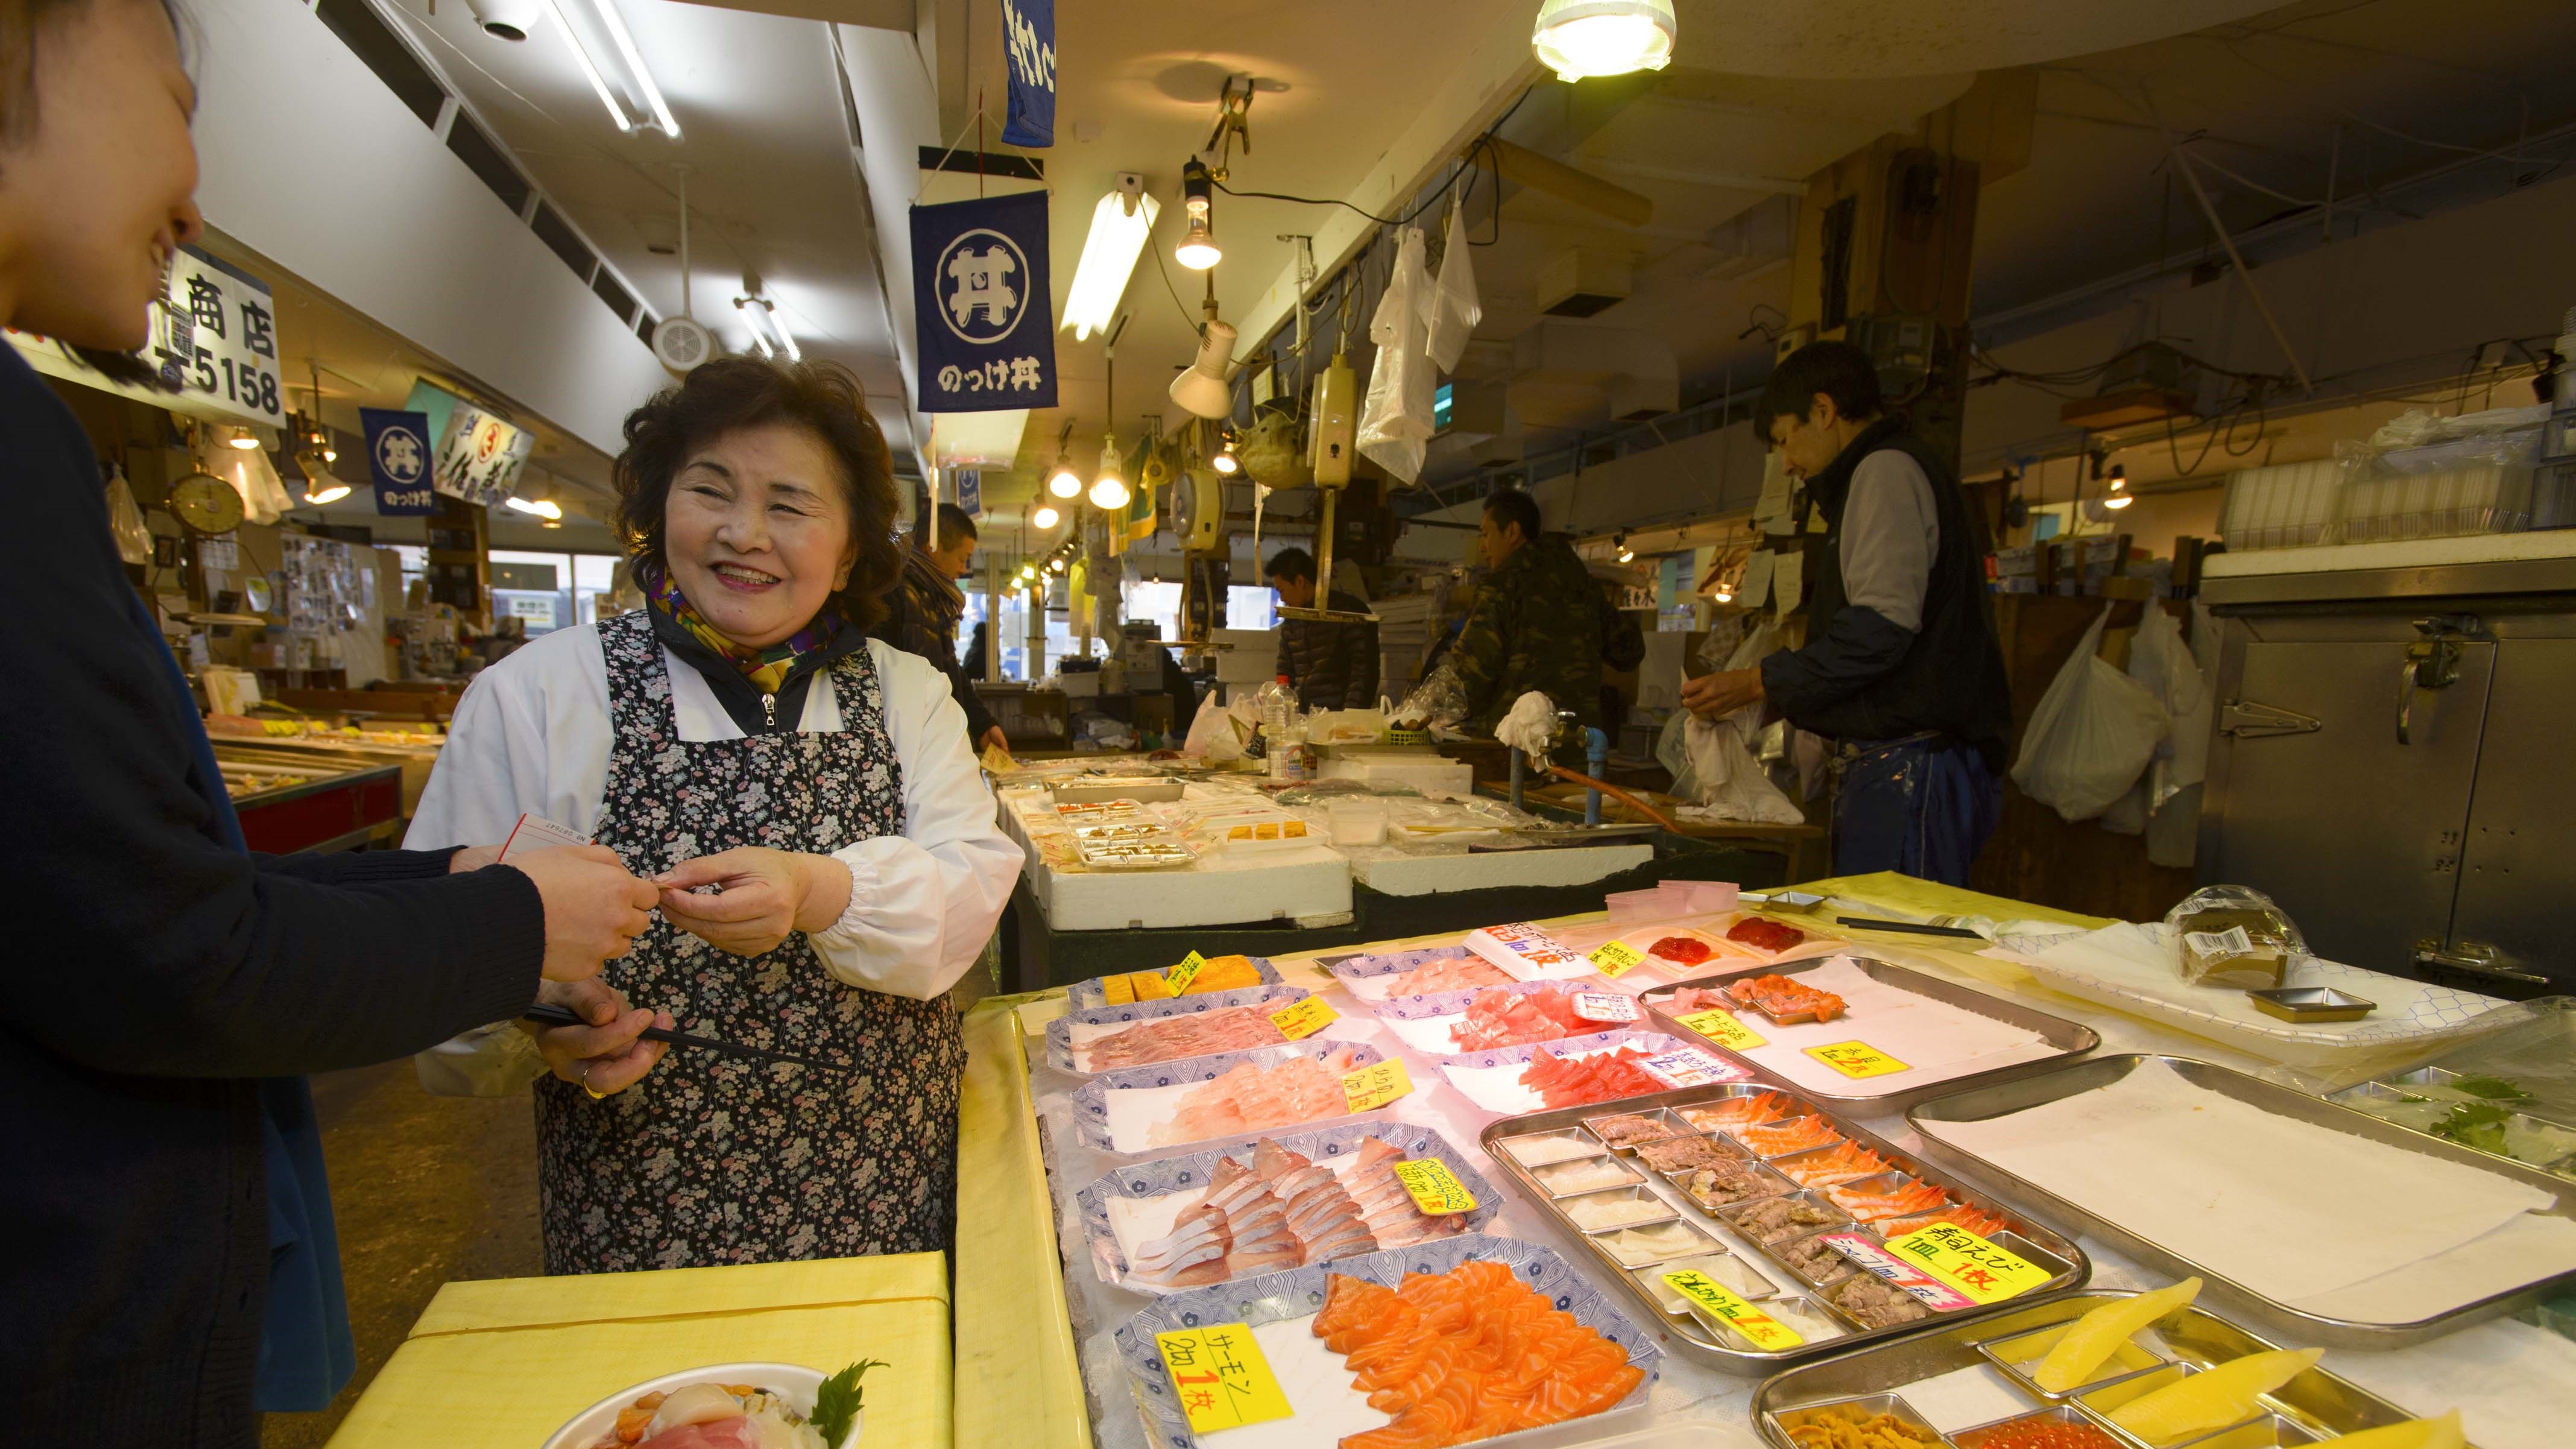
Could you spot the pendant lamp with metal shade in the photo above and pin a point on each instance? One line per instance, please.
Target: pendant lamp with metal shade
(1579, 39)
(317, 455)
(1109, 487)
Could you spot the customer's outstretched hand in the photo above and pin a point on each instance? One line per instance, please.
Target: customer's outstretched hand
(594, 908)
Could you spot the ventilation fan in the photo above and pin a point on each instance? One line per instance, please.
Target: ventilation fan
(681, 342)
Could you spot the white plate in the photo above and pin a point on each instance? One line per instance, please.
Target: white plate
(793, 1382)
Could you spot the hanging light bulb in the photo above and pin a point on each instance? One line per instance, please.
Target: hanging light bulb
(1198, 250)
(1579, 39)
(1225, 462)
(2119, 496)
(1065, 483)
(1626, 554)
(1028, 572)
(1109, 490)
(1045, 516)
(241, 438)
(1055, 566)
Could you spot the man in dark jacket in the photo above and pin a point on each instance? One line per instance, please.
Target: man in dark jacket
(172, 1267)
(1901, 668)
(1536, 623)
(1331, 665)
(927, 605)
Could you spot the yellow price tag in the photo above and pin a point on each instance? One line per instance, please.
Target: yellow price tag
(1614, 958)
(1304, 1019)
(1857, 1059)
(1221, 1377)
(1766, 1332)
(1720, 1026)
(1375, 1086)
(1436, 1190)
(1180, 977)
(1969, 1263)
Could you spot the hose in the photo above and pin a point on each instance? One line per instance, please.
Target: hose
(1606, 788)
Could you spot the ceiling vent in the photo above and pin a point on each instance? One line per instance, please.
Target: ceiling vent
(1582, 282)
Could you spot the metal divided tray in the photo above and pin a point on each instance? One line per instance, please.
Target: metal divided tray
(2315, 1405)
(1708, 1239)
(1980, 1103)
(2070, 1039)
(2427, 1100)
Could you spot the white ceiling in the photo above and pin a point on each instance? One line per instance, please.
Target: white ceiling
(1362, 100)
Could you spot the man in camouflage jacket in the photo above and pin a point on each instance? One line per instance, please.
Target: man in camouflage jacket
(1536, 623)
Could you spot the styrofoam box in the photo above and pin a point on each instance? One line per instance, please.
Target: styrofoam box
(1252, 659)
(1435, 777)
(2285, 505)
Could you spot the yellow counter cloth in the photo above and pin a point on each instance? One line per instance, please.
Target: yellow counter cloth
(1019, 1382)
(504, 1363)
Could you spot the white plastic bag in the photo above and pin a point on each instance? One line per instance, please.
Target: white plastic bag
(1455, 310)
(2163, 664)
(125, 521)
(2092, 735)
(1395, 424)
(1731, 783)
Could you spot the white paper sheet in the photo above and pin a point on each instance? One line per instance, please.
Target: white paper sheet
(2290, 1210)
(1935, 1040)
(1316, 1384)
(1755, 590)
(1965, 1398)
(1134, 1113)
(1789, 579)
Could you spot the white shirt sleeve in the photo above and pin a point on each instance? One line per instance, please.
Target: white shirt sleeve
(1891, 532)
(923, 903)
(530, 736)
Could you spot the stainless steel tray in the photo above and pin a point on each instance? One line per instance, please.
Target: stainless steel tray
(2071, 1038)
(1692, 1336)
(2316, 1400)
(1979, 1103)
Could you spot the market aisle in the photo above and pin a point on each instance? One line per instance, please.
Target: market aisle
(427, 1189)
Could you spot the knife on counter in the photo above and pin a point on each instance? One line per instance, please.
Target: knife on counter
(545, 1014)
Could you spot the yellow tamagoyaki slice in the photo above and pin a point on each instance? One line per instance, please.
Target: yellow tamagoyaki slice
(2098, 1334)
(2439, 1432)
(2214, 1399)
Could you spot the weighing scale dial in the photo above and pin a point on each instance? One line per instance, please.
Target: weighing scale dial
(206, 504)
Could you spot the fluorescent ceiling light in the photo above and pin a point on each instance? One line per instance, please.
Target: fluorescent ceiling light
(598, 82)
(618, 35)
(541, 507)
(1579, 39)
(1119, 227)
(977, 440)
(760, 314)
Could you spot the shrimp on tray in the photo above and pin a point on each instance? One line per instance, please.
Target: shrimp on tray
(1771, 1139)
(1874, 1204)
(1846, 1163)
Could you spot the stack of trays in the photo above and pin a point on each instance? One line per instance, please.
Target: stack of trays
(1969, 1387)
(1781, 1205)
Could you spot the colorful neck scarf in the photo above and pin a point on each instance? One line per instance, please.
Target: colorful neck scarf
(767, 668)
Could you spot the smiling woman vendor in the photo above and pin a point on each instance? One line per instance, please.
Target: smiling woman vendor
(744, 732)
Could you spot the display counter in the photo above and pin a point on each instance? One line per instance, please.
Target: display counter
(291, 800)
(2516, 1381)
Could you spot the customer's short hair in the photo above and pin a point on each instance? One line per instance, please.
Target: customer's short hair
(1291, 563)
(1510, 506)
(953, 522)
(1837, 369)
(742, 392)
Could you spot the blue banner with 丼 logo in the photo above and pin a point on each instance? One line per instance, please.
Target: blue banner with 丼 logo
(398, 459)
(981, 305)
(1028, 43)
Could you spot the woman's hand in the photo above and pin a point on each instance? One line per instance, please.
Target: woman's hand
(606, 1056)
(765, 894)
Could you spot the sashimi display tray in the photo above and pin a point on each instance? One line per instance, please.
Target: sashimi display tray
(2065, 1039)
(1423, 1023)
(1062, 1045)
(2072, 1079)
(1365, 977)
(1091, 995)
(1959, 1387)
(1293, 1298)
(1492, 1079)
(1095, 1123)
(1769, 1189)
(1188, 1175)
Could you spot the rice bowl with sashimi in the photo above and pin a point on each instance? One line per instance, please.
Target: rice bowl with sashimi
(719, 1406)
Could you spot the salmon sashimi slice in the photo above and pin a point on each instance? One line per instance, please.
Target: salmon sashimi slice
(1795, 1135)
(1456, 973)
(1466, 1355)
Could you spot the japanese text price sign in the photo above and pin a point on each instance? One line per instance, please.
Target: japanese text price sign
(1766, 1332)
(1436, 1190)
(1951, 1254)
(1375, 1086)
(1221, 1377)
(1720, 1026)
(1304, 1019)
(1615, 958)
(1180, 977)
(1857, 1059)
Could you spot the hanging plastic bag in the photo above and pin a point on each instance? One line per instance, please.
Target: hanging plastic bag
(1395, 424)
(1455, 310)
(2092, 735)
(2173, 829)
(1731, 783)
(125, 521)
(1672, 751)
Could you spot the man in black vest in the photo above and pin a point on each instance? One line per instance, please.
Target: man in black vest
(1901, 669)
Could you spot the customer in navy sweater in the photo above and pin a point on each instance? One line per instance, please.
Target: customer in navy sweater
(166, 1225)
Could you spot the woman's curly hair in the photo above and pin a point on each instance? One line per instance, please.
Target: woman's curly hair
(741, 392)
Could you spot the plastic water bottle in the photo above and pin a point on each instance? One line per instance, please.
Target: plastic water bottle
(1278, 705)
